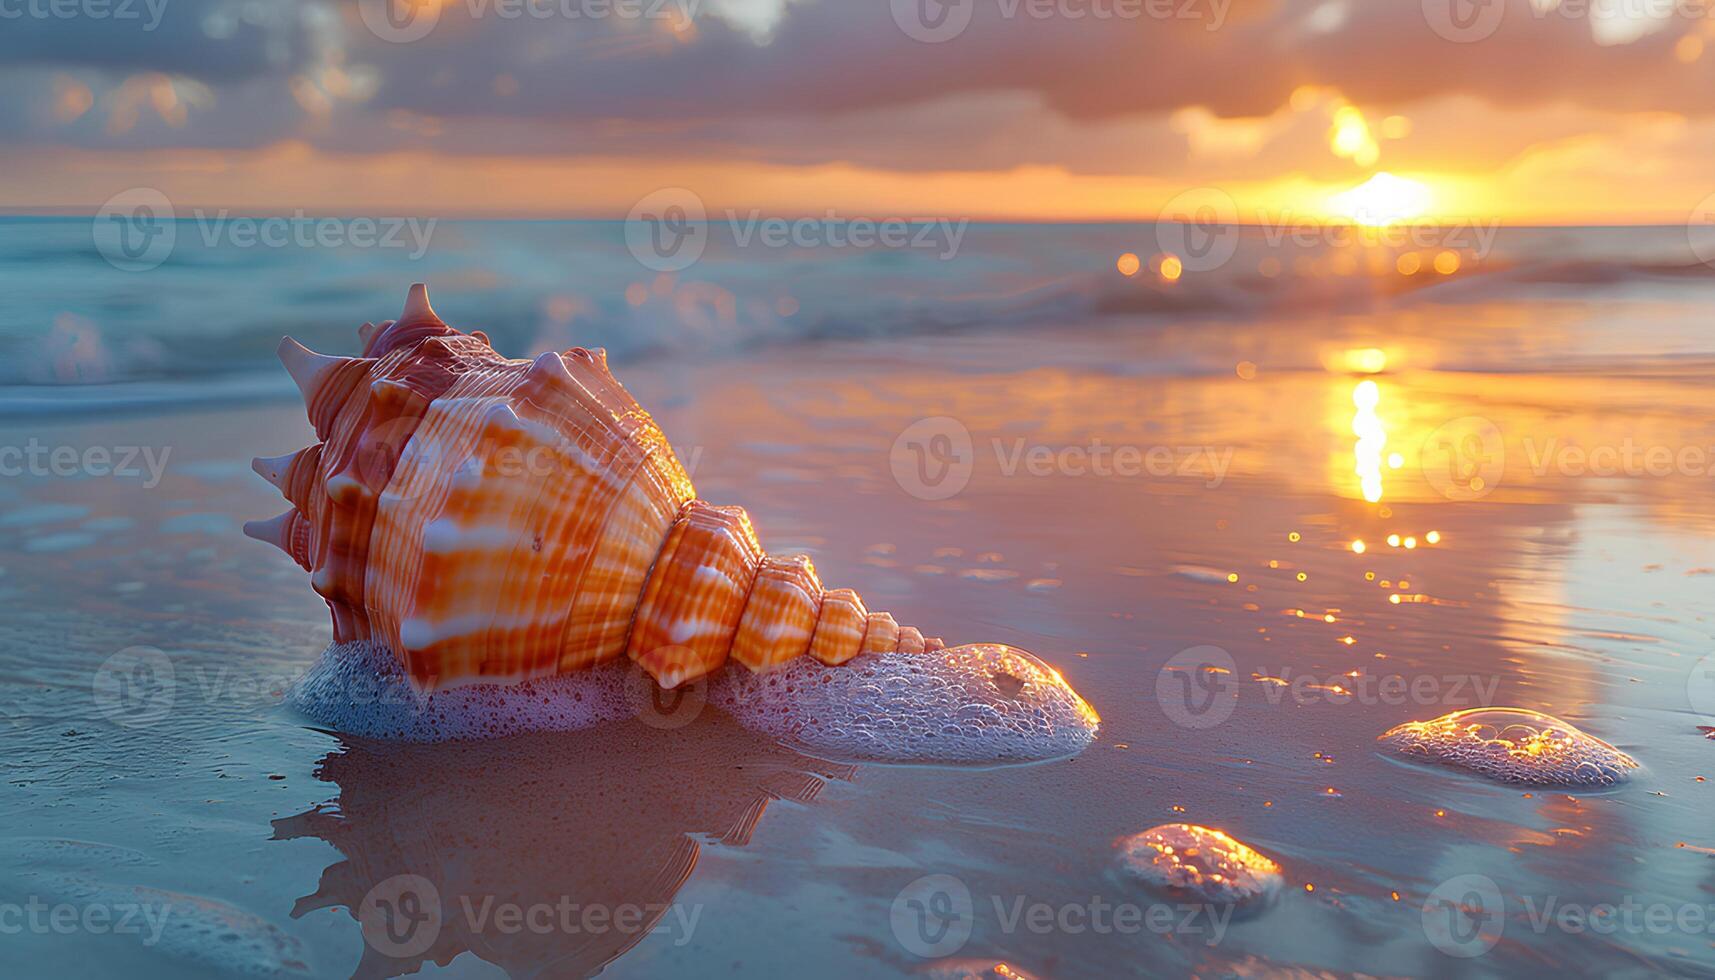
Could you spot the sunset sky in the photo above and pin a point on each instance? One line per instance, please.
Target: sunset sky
(1522, 110)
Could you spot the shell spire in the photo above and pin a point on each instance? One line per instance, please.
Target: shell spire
(491, 520)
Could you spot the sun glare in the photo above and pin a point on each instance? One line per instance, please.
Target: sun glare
(1383, 200)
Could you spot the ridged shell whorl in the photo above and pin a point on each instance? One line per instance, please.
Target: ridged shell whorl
(490, 520)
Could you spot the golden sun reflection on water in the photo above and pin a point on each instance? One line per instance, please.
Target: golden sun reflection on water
(1372, 439)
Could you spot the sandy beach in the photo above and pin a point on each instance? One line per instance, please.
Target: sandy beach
(1110, 514)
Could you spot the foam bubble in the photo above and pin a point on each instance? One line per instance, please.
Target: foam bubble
(1513, 745)
(981, 704)
(1199, 862)
(984, 703)
(360, 689)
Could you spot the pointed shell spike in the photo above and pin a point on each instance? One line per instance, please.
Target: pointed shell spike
(275, 469)
(308, 368)
(276, 531)
(417, 305)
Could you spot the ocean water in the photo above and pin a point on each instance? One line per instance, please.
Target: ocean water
(1156, 486)
(200, 318)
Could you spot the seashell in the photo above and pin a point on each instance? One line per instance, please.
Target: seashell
(490, 520)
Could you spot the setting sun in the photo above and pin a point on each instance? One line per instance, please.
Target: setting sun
(1383, 200)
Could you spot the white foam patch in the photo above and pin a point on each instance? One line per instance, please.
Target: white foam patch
(978, 704)
(1512, 745)
(1207, 865)
(984, 704)
(360, 689)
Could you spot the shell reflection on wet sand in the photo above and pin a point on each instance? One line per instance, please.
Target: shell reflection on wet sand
(1200, 863)
(1513, 745)
(611, 819)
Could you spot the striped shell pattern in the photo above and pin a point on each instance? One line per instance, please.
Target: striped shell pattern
(491, 520)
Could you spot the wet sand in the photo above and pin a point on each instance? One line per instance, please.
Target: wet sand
(1584, 596)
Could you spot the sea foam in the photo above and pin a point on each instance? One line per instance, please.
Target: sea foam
(979, 704)
(1200, 863)
(1512, 745)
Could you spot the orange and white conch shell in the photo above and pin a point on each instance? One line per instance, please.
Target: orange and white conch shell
(491, 520)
